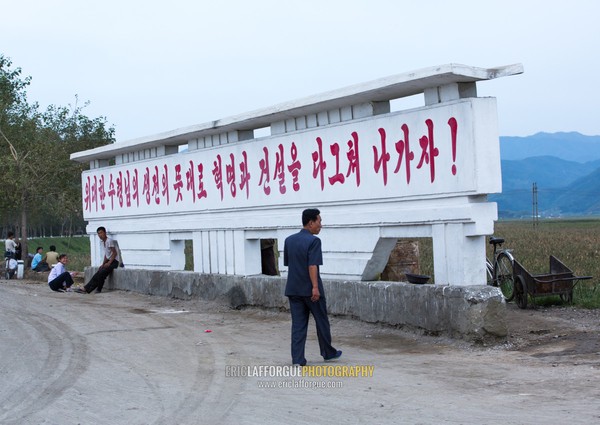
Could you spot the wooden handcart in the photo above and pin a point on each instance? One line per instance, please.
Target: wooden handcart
(560, 281)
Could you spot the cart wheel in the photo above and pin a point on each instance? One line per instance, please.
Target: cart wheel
(520, 292)
(505, 276)
(568, 297)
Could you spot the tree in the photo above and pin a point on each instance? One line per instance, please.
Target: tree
(37, 179)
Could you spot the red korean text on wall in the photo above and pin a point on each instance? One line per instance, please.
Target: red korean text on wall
(274, 169)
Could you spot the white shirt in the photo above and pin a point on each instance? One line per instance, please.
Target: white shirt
(11, 245)
(56, 271)
(108, 244)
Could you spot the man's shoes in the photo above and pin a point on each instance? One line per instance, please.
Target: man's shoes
(337, 355)
(300, 364)
(80, 291)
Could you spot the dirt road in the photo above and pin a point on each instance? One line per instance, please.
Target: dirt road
(126, 358)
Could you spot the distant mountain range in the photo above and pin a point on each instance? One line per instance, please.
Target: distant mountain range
(568, 146)
(565, 167)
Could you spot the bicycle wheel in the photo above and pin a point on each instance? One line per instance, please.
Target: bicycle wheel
(489, 269)
(504, 276)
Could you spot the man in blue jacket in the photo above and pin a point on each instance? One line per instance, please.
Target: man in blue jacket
(37, 264)
(304, 289)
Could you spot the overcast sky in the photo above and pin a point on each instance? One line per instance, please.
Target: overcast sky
(151, 66)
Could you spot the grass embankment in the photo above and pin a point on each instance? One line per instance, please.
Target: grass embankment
(77, 248)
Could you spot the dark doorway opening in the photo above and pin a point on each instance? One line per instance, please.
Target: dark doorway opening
(268, 256)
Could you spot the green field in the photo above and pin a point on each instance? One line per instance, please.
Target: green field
(77, 248)
(575, 242)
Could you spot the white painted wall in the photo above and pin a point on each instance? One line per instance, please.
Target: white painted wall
(375, 175)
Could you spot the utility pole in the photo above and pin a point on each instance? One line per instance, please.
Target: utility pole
(535, 214)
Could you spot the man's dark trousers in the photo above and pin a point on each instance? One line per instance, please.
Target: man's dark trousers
(301, 308)
(97, 281)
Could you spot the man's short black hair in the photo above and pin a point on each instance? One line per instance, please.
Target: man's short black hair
(101, 228)
(52, 248)
(10, 234)
(309, 215)
(38, 248)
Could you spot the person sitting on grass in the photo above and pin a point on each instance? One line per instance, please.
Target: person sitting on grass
(37, 264)
(51, 256)
(59, 279)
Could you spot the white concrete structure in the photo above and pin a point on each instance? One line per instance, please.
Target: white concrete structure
(376, 176)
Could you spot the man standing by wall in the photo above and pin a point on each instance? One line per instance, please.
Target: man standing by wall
(304, 289)
(10, 245)
(110, 262)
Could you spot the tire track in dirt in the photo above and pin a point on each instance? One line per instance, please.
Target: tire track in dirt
(62, 357)
(214, 398)
(196, 357)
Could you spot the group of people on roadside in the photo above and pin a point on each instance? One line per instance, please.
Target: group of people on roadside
(39, 262)
(43, 263)
(59, 278)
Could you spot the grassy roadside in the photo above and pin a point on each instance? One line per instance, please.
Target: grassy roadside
(77, 248)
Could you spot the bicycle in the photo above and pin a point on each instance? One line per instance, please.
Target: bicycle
(10, 268)
(500, 271)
